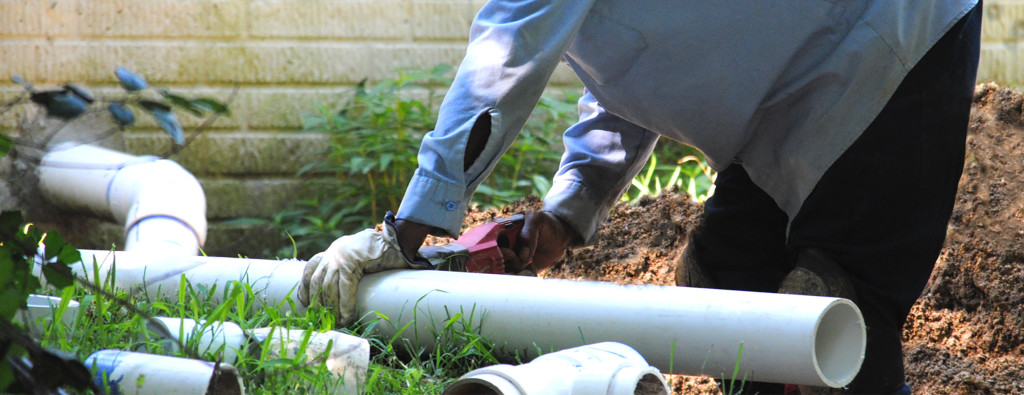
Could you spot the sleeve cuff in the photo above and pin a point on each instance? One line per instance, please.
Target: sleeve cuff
(433, 202)
(573, 203)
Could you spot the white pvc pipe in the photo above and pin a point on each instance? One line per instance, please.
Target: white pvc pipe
(128, 372)
(161, 204)
(347, 357)
(224, 338)
(790, 339)
(607, 368)
(41, 312)
(275, 283)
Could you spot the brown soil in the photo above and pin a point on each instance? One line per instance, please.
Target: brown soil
(965, 335)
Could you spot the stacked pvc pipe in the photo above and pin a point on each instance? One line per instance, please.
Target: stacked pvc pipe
(791, 339)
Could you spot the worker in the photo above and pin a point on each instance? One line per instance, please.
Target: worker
(837, 127)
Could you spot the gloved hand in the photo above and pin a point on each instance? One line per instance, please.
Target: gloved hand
(332, 277)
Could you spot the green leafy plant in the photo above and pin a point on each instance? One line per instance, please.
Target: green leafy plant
(691, 174)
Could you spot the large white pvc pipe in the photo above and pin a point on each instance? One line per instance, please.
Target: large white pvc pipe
(161, 204)
(790, 339)
(274, 283)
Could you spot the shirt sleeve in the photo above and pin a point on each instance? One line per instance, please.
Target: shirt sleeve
(513, 48)
(603, 153)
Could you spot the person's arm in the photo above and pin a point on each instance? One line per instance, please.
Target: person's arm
(603, 153)
(513, 49)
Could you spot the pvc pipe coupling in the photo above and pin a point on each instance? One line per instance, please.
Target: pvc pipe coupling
(607, 368)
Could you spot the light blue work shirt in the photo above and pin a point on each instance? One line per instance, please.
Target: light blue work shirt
(782, 87)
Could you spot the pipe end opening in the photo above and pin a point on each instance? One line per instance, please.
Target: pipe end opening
(651, 384)
(226, 380)
(839, 343)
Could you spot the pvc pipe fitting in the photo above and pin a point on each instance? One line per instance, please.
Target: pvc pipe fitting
(347, 357)
(125, 372)
(608, 368)
(225, 338)
(161, 204)
(40, 310)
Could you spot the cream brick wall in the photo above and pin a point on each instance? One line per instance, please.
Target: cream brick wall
(284, 56)
(1002, 49)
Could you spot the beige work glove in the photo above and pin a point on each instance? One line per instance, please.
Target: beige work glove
(332, 277)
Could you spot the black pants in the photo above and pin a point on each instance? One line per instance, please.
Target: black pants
(880, 211)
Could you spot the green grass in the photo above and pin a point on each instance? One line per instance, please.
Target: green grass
(115, 319)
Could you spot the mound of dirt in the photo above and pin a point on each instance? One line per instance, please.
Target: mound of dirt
(966, 333)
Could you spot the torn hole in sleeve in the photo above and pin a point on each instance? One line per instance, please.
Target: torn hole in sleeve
(478, 136)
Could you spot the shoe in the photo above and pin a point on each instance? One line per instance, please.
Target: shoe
(818, 275)
(689, 272)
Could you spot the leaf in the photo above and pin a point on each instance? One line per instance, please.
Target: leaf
(129, 81)
(6, 267)
(69, 255)
(59, 103)
(212, 105)
(54, 243)
(58, 274)
(182, 102)
(168, 122)
(12, 301)
(17, 79)
(123, 117)
(541, 184)
(80, 91)
(385, 160)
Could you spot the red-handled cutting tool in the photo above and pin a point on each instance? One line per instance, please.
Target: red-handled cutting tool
(479, 249)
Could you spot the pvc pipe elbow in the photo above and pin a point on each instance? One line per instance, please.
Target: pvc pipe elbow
(161, 205)
(167, 210)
